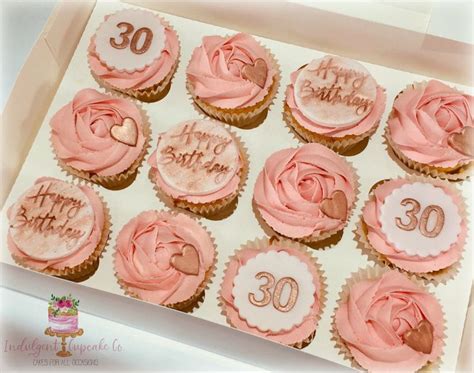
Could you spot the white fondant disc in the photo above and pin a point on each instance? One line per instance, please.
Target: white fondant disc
(335, 91)
(51, 220)
(197, 157)
(413, 242)
(279, 265)
(120, 28)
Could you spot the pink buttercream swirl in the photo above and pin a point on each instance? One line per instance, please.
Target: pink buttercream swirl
(289, 337)
(365, 124)
(293, 183)
(215, 71)
(375, 316)
(144, 249)
(423, 118)
(225, 191)
(81, 254)
(378, 240)
(151, 75)
(81, 133)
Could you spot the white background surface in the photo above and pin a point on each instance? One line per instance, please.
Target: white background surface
(24, 315)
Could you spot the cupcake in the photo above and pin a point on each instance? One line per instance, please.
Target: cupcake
(334, 101)
(430, 130)
(164, 258)
(100, 138)
(135, 52)
(386, 322)
(58, 228)
(198, 165)
(233, 79)
(306, 193)
(274, 289)
(415, 225)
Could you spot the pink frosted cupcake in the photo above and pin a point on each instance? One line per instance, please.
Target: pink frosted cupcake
(233, 79)
(58, 228)
(386, 322)
(135, 52)
(416, 225)
(334, 101)
(274, 289)
(100, 138)
(164, 258)
(431, 130)
(306, 193)
(199, 165)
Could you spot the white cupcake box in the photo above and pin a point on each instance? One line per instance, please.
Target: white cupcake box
(57, 68)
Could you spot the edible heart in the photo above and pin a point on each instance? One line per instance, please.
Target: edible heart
(336, 206)
(420, 338)
(463, 141)
(126, 132)
(256, 72)
(186, 262)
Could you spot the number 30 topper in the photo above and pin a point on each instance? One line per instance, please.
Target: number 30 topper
(130, 40)
(274, 291)
(420, 219)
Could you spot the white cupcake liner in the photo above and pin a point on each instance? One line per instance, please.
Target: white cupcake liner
(188, 305)
(458, 173)
(371, 273)
(86, 268)
(263, 243)
(240, 117)
(118, 181)
(214, 207)
(154, 92)
(435, 277)
(338, 144)
(323, 236)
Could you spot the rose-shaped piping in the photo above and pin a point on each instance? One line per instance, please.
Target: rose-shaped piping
(378, 240)
(376, 315)
(143, 259)
(366, 124)
(294, 182)
(423, 119)
(77, 257)
(143, 79)
(298, 333)
(215, 71)
(81, 133)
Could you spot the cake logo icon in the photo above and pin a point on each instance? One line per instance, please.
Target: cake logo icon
(63, 321)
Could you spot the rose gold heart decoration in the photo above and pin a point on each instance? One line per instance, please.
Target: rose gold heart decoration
(256, 72)
(125, 132)
(463, 141)
(420, 338)
(336, 206)
(186, 262)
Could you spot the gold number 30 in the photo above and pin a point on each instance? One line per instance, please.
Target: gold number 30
(425, 215)
(125, 38)
(267, 296)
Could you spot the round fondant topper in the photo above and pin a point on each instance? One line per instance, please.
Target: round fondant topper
(197, 157)
(51, 220)
(335, 91)
(274, 291)
(420, 219)
(130, 40)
